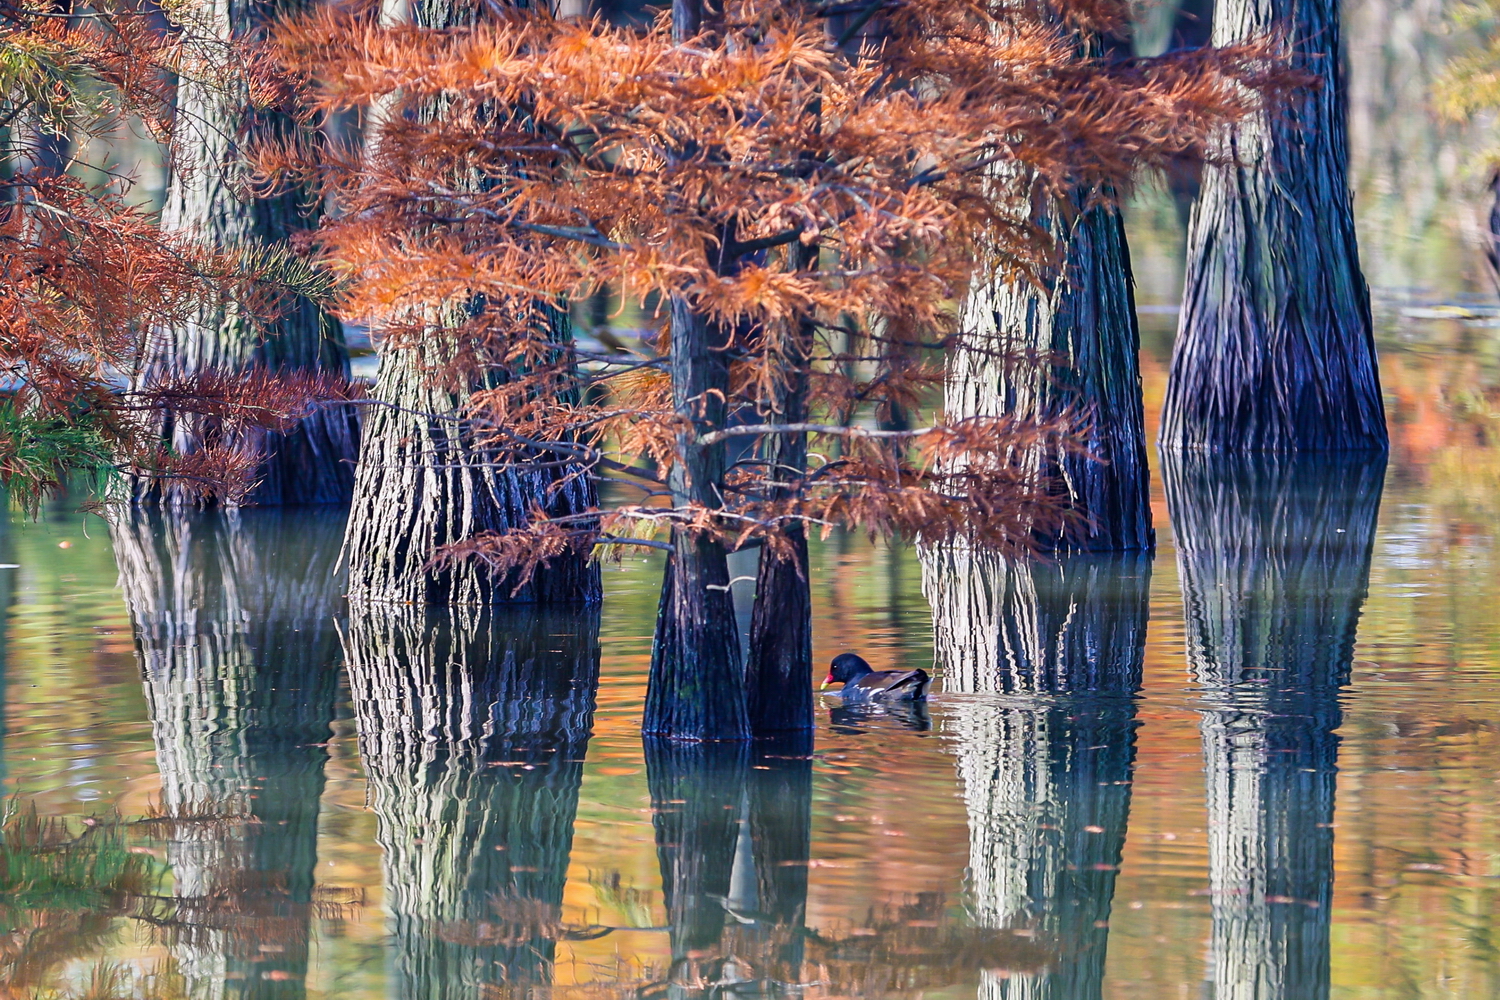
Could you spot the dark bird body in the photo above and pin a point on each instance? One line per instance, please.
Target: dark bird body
(864, 683)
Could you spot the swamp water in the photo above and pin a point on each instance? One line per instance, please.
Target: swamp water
(1265, 764)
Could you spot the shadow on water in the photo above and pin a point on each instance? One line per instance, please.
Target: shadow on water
(234, 631)
(1040, 665)
(1274, 558)
(473, 725)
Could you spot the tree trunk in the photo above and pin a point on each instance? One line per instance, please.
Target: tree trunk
(473, 728)
(778, 668)
(233, 617)
(423, 482)
(696, 689)
(205, 200)
(1071, 348)
(1274, 560)
(1046, 770)
(1274, 345)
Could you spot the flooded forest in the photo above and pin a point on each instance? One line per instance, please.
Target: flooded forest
(1233, 735)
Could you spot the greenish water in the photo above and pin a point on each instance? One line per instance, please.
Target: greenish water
(1264, 765)
(1261, 765)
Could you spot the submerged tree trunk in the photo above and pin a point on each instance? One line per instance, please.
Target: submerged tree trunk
(778, 667)
(1274, 349)
(1047, 769)
(423, 483)
(1274, 561)
(472, 728)
(1070, 347)
(206, 200)
(696, 689)
(233, 617)
(423, 480)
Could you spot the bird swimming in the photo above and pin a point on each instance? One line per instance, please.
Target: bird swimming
(864, 683)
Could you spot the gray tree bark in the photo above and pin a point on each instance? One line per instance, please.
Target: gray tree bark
(1046, 771)
(1068, 347)
(233, 617)
(778, 663)
(1274, 559)
(696, 689)
(424, 482)
(1274, 349)
(473, 726)
(206, 200)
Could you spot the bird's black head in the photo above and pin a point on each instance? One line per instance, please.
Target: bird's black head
(847, 667)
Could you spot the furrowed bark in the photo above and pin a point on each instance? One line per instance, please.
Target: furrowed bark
(1275, 350)
(473, 727)
(778, 667)
(1068, 348)
(233, 617)
(1046, 771)
(696, 689)
(423, 481)
(206, 200)
(1274, 559)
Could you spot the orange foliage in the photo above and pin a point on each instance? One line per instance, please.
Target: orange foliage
(822, 208)
(85, 276)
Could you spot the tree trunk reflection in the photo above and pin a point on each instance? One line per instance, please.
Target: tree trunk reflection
(1274, 558)
(733, 834)
(1049, 658)
(473, 725)
(233, 616)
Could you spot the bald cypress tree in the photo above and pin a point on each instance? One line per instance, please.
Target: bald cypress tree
(1068, 345)
(1275, 350)
(209, 198)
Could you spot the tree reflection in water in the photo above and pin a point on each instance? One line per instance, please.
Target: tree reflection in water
(233, 616)
(733, 837)
(473, 724)
(1274, 559)
(1045, 661)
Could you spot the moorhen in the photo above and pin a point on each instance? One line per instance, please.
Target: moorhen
(863, 683)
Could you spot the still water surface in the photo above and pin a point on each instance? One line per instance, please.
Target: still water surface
(1265, 764)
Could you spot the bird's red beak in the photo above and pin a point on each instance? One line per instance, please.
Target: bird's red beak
(826, 681)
